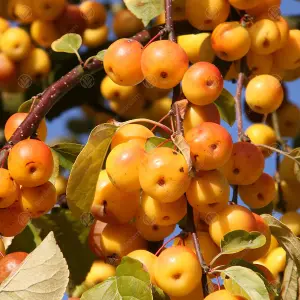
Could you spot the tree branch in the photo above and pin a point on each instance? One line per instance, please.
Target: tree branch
(169, 21)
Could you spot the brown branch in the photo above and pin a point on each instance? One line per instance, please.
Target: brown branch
(169, 21)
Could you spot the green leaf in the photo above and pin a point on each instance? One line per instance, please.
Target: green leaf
(67, 153)
(286, 239)
(100, 55)
(146, 10)
(289, 289)
(85, 172)
(226, 107)
(131, 282)
(72, 237)
(25, 106)
(155, 141)
(43, 274)
(55, 172)
(244, 282)
(26, 241)
(158, 294)
(68, 43)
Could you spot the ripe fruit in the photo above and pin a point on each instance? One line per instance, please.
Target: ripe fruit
(208, 192)
(286, 169)
(202, 84)
(30, 163)
(93, 38)
(119, 240)
(276, 261)
(264, 7)
(264, 94)
(4, 25)
(94, 238)
(260, 193)
(21, 11)
(177, 271)
(196, 294)
(10, 263)
(210, 146)
(37, 201)
(265, 37)
(37, 64)
(245, 165)
(99, 272)
(127, 158)
(130, 132)
(206, 15)
(60, 185)
(164, 175)
(15, 121)
(44, 33)
(288, 56)
(233, 217)
(158, 109)
(112, 205)
(48, 10)
(290, 191)
(158, 64)
(163, 213)
(7, 70)
(196, 115)
(244, 4)
(152, 93)
(292, 220)
(94, 13)
(122, 62)
(15, 43)
(126, 24)
(197, 47)
(130, 108)
(259, 64)
(71, 20)
(2, 248)
(230, 41)
(289, 120)
(262, 134)
(147, 259)
(9, 190)
(224, 295)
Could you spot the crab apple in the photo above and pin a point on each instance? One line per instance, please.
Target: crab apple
(111, 205)
(244, 4)
(15, 121)
(196, 294)
(119, 240)
(292, 220)
(290, 191)
(94, 238)
(127, 158)
(259, 64)
(276, 261)
(48, 10)
(126, 24)
(233, 217)
(44, 33)
(71, 20)
(177, 271)
(271, 6)
(4, 25)
(122, 62)
(37, 201)
(37, 64)
(149, 229)
(15, 43)
(224, 295)
(178, 12)
(208, 192)
(286, 169)
(288, 56)
(60, 185)
(197, 47)
(273, 244)
(158, 64)
(30, 163)
(158, 109)
(230, 41)
(202, 83)
(152, 93)
(10, 264)
(245, 165)
(196, 115)
(264, 94)
(289, 120)
(262, 134)
(164, 174)
(268, 275)
(147, 259)
(99, 272)
(94, 13)
(9, 190)
(21, 11)
(93, 38)
(207, 14)
(7, 70)
(210, 146)
(163, 213)
(131, 132)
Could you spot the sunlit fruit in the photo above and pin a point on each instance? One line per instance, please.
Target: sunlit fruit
(164, 174)
(159, 108)
(122, 62)
(30, 163)
(60, 185)
(264, 94)
(196, 294)
(244, 4)
(290, 191)
(94, 238)
(292, 220)
(224, 295)
(276, 261)
(94, 12)
(210, 145)
(99, 272)
(9, 190)
(289, 120)
(259, 64)
(7, 70)
(158, 64)
(93, 38)
(202, 84)
(48, 10)
(287, 168)
(266, 6)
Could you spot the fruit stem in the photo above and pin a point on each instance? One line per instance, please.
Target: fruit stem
(169, 21)
(161, 120)
(159, 34)
(278, 151)
(166, 243)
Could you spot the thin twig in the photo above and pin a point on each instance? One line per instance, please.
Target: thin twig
(169, 21)
(235, 194)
